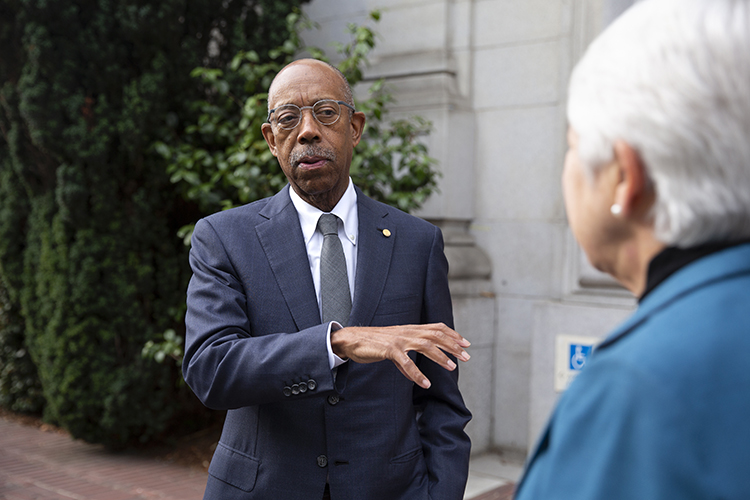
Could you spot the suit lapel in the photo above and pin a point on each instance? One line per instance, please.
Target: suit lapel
(374, 251)
(282, 241)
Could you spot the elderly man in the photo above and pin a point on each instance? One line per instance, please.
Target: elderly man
(290, 325)
(657, 193)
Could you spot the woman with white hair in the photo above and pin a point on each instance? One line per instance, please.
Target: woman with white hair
(657, 193)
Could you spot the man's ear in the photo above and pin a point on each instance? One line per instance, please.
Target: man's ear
(267, 132)
(357, 121)
(634, 192)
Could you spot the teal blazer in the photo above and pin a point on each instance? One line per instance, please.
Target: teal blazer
(662, 408)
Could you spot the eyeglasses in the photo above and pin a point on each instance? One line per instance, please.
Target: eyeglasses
(326, 111)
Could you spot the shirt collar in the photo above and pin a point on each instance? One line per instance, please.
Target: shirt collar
(672, 259)
(345, 209)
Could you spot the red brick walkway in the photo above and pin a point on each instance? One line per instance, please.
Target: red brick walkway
(38, 465)
(501, 493)
(50, 465)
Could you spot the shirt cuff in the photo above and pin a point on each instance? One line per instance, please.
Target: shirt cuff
(333, 360)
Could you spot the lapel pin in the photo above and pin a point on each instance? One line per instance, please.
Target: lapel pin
(386, 233)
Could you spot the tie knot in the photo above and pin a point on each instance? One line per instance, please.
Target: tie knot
(328, 224)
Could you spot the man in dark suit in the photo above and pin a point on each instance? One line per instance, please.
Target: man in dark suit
(326, 397)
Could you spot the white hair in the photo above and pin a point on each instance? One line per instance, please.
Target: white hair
(672, 79)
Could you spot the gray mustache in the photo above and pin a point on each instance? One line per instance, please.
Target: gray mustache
(296, 155)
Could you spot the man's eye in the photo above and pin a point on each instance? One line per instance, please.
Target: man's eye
(326, 111)
(286, 117)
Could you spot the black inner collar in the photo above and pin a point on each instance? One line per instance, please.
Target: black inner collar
(671, 259)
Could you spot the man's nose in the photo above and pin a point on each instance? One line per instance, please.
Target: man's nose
(309, 127)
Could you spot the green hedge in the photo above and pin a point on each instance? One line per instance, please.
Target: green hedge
(90, 265)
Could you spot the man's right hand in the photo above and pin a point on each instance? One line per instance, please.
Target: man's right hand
(373, 343)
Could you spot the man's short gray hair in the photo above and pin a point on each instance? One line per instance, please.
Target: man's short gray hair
(672, 79)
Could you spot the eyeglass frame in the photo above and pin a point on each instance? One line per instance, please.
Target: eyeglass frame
(270, 112)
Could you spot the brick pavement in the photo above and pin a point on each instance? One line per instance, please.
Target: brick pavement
(39, 465)
(48, 465)
(502, 493)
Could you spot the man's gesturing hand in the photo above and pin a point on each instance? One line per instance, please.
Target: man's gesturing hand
(370, 344)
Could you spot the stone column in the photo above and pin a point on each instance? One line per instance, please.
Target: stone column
(474, 314)
(426, 55)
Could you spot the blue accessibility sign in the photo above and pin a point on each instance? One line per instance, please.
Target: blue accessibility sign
(578, 356)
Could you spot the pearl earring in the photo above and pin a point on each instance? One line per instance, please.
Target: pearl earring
(615, 209)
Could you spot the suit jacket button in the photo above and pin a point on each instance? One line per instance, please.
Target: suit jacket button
(311, 384)
(295, 389)
(322, 461)
(303, 387)
(333, 399)
(287, 391)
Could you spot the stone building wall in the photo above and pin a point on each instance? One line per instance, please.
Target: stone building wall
(492, 76)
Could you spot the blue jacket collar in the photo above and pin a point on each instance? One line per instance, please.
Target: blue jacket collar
(715, 267)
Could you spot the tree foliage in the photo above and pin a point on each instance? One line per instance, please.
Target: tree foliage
(89, 263)
(221, 160)
(105, 153)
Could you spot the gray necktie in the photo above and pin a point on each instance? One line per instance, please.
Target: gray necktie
(335, 300)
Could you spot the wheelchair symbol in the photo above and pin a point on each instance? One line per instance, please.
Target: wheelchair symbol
(579, 355)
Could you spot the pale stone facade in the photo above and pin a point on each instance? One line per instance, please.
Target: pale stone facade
(492, 76)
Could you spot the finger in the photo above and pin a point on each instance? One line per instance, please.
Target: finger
(403, 372)
(441, 330)
(457, 351)
(437, 355)
(463, 356)
(446, 343)
(406, 366)
(460, 339)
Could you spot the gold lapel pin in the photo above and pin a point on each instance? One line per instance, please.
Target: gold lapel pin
(386, 233)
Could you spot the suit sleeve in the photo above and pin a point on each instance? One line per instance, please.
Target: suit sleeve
(442, 412)
(224, 365)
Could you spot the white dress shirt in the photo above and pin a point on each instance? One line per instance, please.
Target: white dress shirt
(346, 211)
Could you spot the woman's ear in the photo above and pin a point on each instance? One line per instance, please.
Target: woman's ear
(633, 193)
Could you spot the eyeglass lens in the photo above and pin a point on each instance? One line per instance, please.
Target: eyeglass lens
(326, 112)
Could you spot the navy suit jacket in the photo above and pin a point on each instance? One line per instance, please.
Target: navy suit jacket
(256, 347)
(662, 408)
